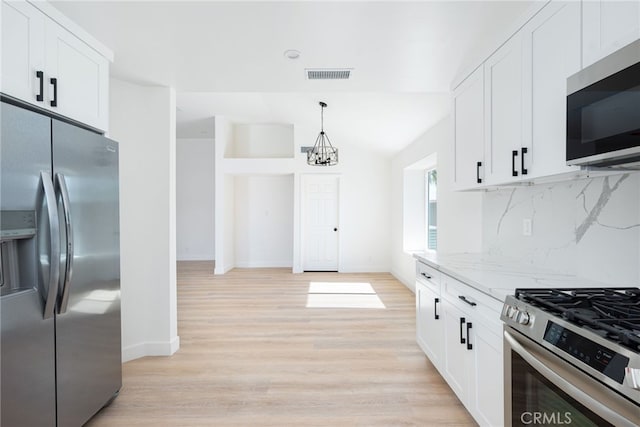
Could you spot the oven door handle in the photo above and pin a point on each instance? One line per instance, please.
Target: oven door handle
(564, 385)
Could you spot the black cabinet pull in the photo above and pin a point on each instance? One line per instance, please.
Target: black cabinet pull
(435, 308)
(469, 345)
(462, 340)
(463, 298)
(514, 154)
(40, 95)
(54, 101)
(426, 275)
(478, 179)
(524, 151)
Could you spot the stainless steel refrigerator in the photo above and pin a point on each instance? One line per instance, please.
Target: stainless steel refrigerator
(60, 276)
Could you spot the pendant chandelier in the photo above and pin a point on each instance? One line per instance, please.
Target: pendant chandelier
(322, 153)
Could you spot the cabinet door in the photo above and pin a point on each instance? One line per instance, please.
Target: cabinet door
(22, 50)
(607, 26)
(552, 53)
(503, 113)
(82, 78)
(429, 324)
(457, 357)
(487, 385)
(468, 117)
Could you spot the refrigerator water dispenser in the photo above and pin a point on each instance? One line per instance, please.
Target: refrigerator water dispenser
(17, 230)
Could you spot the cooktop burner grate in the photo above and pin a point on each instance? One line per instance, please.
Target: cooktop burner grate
(612, 313)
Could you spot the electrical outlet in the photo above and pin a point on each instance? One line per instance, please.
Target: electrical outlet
(526, 227)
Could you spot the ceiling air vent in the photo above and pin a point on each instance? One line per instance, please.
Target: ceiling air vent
(328, 73)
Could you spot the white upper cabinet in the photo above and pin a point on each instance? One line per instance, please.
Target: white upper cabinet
(523, 116)
(81, 88)
(503, 113)
(468, 117)
(608, 25)
(22, 51)
(552, 53)
(47, 65)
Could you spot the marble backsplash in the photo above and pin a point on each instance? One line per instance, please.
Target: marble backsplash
(588, 227)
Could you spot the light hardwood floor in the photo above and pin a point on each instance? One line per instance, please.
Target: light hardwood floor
(252, 354)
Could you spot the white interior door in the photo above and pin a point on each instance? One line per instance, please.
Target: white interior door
(320, 222)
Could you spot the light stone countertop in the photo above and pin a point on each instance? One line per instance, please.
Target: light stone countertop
(498, 276)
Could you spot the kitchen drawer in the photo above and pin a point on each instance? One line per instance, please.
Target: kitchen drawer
(483, 307)
(429, 276)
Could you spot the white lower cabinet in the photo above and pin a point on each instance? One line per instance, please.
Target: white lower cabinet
(458, 362)
(465, 343)
(487, 385)
(429, 323)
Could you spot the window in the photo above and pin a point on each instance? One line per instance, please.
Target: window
(431, 183)
(419, 181)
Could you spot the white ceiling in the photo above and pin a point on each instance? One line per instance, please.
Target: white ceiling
(227, 58)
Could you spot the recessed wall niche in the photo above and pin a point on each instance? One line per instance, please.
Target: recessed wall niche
(260, 141)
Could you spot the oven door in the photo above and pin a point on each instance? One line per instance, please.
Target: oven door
(543, 389)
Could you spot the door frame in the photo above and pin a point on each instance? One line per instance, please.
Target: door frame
(304, 178)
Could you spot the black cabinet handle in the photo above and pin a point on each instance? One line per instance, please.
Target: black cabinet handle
(54, 101)
(469, 345)
(426, 275)
(435, 308)
(463, 298)
(462, 340)
(478, 179)
(40, 95)
(524, 151)
(335, 229)
(514, 154)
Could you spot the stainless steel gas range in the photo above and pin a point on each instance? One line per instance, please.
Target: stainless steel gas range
(572, 357)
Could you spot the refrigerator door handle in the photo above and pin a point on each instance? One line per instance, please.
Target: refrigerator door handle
(61, 184)
(54, 250)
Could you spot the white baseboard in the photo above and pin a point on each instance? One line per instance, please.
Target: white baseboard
(364, 269)
(222, 269)
(409, 282)
(264, 264)
(196, 257)
(144, 349)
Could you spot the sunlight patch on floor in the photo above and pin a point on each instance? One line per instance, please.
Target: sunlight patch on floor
(342, 295)
(340, 288)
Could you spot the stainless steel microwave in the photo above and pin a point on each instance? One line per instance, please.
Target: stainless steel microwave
(603, 111)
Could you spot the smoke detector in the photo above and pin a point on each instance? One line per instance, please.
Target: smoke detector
(292, 54)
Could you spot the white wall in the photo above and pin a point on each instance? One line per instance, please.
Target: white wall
(142, 119)
(364, 202)
(364, 211)
(459, 214)
(261, 141)
(223, 223)
(264, 221)
(588, 227)
(195, 180)
(229, 210)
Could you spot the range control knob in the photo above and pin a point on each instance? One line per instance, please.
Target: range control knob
(511, 311)
(523, 318)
